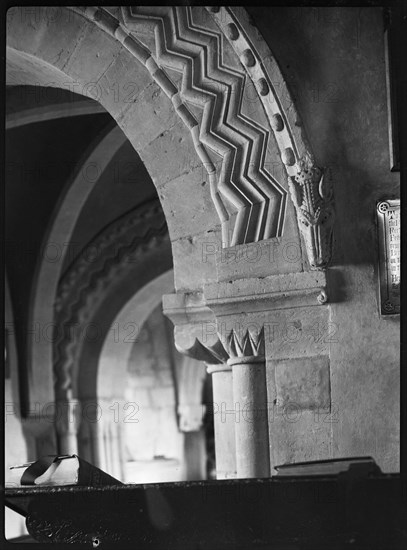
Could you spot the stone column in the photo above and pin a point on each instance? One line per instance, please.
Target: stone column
(252, 441)
(194, 455)
(240, 412)
(224, 421)
(67, 419)
(196, 336)
(106, 432)
(247, 359)
(190, 379)
(225, 325)
(113, 444)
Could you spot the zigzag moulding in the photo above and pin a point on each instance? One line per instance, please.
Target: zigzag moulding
(216, 58)
(187, 44)
(121, 246)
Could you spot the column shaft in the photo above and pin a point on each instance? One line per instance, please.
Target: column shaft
(67, 426)
(252, 439)
(224, 421)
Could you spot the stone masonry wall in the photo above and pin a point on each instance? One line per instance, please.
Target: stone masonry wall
(333, 61)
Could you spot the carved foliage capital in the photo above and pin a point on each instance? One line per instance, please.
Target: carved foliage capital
(312, 195)
(231, 348)
(246, 348)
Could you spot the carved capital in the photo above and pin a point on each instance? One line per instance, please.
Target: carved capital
(245, 349)
(201, 319)
(312, 195)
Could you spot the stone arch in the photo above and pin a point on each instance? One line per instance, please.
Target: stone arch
(111, 376)
(130, 252)
(123, 250)
(30, 115)
(192, 71)
(152, 126)
(187, 41)
(110, 396)
(48, 273)
(14, 442)
(11, 356)
(215, 53)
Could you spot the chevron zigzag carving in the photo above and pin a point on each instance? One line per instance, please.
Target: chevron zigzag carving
(196, 52)
(120, 251)
(259, 201)
(250, 202)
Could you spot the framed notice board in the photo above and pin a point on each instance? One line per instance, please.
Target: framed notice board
(388, 224)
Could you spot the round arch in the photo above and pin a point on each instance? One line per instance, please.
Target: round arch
(132, 250)
(178, 80)
(47, 275)
(114, 359)
(34, 43)
(206, 96)
(23, 116)
(62, 47)
(112, 375)
(110, 397)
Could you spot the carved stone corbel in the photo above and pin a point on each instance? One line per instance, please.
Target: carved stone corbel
(196, 336)
(312, 195)
(195, 327)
